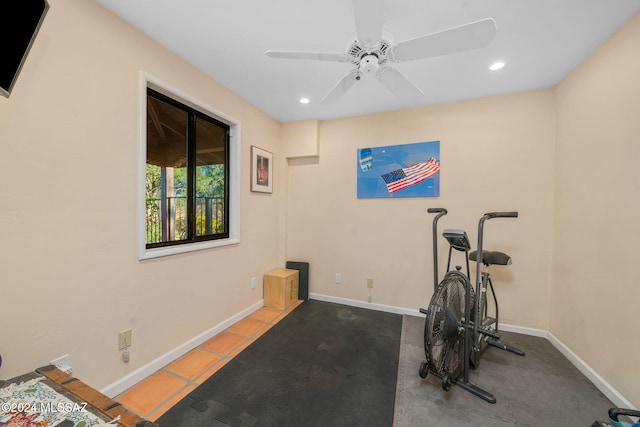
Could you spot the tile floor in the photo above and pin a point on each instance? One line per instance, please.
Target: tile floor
(156, 394)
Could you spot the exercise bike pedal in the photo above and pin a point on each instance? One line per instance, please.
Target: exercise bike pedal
(489, 334)
(502, 346)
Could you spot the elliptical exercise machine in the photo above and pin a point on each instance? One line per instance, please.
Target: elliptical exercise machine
(453, 339)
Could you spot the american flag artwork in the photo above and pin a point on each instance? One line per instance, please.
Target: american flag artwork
(399, 171)
(405, 177)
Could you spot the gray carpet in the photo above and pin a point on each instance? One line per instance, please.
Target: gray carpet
(540, 389)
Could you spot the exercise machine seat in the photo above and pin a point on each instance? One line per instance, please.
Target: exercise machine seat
(491, 257)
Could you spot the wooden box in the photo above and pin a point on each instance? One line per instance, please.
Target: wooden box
(281, 288)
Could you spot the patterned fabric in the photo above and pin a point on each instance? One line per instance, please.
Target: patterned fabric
(35, 404)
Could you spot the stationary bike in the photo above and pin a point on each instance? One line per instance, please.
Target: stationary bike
(457, 327)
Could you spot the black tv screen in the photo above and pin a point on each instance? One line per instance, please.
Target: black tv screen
(21, 20)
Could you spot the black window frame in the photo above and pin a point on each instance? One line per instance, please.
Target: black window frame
(193, 116)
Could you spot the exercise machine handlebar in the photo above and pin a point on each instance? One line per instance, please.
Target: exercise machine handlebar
(485, 217)
(437, 210)
(441, 212)
(490, 215)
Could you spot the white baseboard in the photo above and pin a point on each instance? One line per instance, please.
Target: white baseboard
(601, 384)
(607, 389)
(523, 330)
(364, 304)
(152, 367)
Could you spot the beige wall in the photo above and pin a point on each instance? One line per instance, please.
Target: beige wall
(496, 154)
(596, 281)
(68, 206)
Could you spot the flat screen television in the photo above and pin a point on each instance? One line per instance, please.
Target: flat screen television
(21, 20)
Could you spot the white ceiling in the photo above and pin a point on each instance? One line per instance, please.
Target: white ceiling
(540, 41)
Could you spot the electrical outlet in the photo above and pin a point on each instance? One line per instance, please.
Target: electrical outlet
(370, 283)
(338, 278)
(124, 339)
(253, 283)
(62, 363)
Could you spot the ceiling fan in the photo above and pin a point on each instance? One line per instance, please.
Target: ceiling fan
(372, 50)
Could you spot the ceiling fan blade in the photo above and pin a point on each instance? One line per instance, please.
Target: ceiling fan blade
(369, 19)
(341, 88)
(457, 39)
(398, 84)
(319, 56)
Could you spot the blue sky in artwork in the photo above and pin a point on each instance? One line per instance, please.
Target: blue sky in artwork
(390, 158)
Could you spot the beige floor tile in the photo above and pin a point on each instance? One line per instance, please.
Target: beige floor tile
(247, 327)
(154, 415)
(148, 394)
(266, 314)
(192, 364)
(223, 343)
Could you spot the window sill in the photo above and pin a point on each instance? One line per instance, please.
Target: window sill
(190, 247)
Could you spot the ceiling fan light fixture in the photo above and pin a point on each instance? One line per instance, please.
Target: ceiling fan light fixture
(369, 64)
(496, 66)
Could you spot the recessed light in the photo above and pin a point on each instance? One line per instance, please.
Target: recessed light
(304, 100)
(496, 66)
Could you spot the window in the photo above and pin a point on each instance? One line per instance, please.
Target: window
(188, 176)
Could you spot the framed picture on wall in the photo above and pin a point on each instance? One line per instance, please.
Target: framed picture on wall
(405, 170)
(261, 170)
